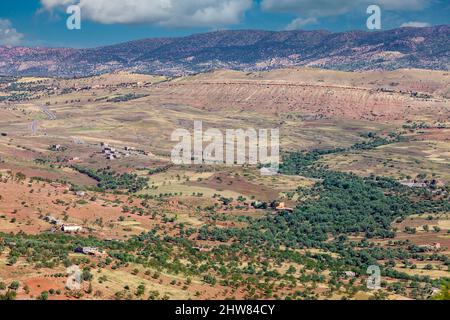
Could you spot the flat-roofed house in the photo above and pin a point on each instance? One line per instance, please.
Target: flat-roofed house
(71, 228)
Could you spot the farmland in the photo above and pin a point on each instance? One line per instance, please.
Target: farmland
(364, 174)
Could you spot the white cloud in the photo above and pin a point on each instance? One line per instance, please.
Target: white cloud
(324, 8)
(9, 35)
(174, 13)
(401, 5)
(415, 24)
(300, 22)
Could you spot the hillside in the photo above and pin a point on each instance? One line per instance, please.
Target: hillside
(364, 180)
(245, 50)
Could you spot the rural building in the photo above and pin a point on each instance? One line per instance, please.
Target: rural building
(350, 274)
(71, 228)
(90, 251)
(282, 207)
(436, 246)
(56, 147)
(414, 184)
(202, 249)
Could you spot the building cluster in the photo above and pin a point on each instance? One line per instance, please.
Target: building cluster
(64, 227)
(414, 184)
(436, 246)
(112, 153)
(433, 185)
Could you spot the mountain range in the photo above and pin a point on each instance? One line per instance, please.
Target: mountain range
(246, 50)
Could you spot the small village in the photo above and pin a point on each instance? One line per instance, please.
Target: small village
(113, 153)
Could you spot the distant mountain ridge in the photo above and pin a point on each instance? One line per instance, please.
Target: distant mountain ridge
(246, 50)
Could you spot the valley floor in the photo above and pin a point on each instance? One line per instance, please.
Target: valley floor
(364, 181)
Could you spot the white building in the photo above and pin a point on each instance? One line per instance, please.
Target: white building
(80, 193)
(67, 228)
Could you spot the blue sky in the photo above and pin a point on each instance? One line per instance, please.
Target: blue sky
(43, 22)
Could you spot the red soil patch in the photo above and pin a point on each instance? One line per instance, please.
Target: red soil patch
(222, 182)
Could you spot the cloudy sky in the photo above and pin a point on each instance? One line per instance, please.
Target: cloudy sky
(43, 22)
